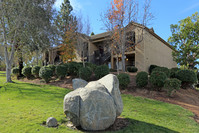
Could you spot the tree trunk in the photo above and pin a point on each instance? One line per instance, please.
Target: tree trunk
(117, 65)
(8, 73)
(20, 62)
(9, 63)
(83, 59)
(123, 62)
(20, 66)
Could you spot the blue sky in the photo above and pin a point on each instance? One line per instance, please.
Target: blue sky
(166, 12)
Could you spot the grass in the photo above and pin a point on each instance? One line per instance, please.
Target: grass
(24, 107)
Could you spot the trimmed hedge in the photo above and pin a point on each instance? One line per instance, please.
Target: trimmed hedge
(26, 71)
(52, 67)
(15, 71)
(85, 73)
(188, 77)
(151, 68)
(35, 71)
(158, 78)
(73, 68)
(112, 70)
(101, 71)
(173, 72)
(91, 65)
(162, 69)
(45, 73)
(124, 80)
(142, 79)
(61, 71)
(132, 69)
(172, 85)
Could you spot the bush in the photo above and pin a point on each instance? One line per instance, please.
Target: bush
(26, 71)
(15, 71)
(101, 71)
(35, 71)
(61, 71)
(158, 78)
(132, 69)
(163, 69)
(151, 68)
(112, 70)
(142, 79)
(92, 66)
(52, 67)
(124, 80)
(73, 68)
(45, 73)
(172, 85)
(173, 72)
(188, 77)
(85, 73)
(198, 75)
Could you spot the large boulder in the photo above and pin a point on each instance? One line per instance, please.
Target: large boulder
(78, 83)
(71, 106)
(95, 106)
(111, 82)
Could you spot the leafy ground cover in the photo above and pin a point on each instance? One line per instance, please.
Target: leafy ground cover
(24, 107)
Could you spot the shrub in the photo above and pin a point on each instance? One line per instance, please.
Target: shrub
(112, 70)
(73, 68)
(132, 69)
(101, 71)
(91, 65)
(35, 71)
(85, 73)
(142, 79)
(45, 73)
(52, 67)
(172, 85)
(15, 71)
(61, 71)
(158, 78)
(124, 80)
(26, 71)
(151, 68)
(188, 77)
(198, 75)
(173, 72)
(163, 69)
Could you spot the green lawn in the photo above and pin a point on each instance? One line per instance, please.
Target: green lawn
(24, 107)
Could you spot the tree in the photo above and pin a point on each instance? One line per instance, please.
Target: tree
(68, 46)
(21, 22)
(185, 39)
(117, 19)
(83, 31)
(92, 33)
(64, 17)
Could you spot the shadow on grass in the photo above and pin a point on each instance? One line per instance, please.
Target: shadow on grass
(36, 91)
(143, 127)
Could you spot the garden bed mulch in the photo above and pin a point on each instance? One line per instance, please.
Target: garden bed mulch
(188, 99)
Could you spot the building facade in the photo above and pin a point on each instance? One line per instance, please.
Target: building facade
(147, 48)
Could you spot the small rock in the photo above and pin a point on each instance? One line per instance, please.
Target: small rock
(51, 122)
(79, 83)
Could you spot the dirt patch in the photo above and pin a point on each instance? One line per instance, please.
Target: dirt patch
(188, 98)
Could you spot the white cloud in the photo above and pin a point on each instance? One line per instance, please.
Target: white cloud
(191, 8)
(75, 4)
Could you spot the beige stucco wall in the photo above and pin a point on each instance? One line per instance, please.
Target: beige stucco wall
(156, 52)
(139, 50)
